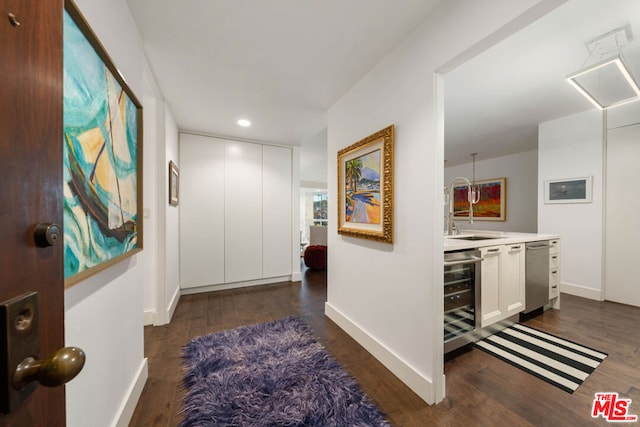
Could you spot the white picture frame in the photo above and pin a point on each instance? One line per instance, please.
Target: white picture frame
(568, 190)
(174, 183)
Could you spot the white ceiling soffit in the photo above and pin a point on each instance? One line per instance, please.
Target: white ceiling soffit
(279, 63)
(494, 102)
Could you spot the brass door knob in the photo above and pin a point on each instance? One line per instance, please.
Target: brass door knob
(56, 370)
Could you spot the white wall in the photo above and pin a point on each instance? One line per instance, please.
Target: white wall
(103, 316)
(104, 313)
(150, 196)
(571, 147)
(313, 161)
(389, 297)
(624, 115)
(521, 171)
(313, 177)
(296, 274)
(172, 221)
(161, 256)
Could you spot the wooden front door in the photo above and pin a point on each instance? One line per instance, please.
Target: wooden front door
(31, 181)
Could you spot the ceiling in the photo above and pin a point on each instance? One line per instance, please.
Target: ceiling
(279, 63)
(494, 102)
(283, 63)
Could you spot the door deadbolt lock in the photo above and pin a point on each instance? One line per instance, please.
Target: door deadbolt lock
(46, 234)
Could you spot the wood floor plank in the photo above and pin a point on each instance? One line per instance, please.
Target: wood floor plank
(481, 390)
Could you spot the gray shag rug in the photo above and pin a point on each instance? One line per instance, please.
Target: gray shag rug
(270, 374)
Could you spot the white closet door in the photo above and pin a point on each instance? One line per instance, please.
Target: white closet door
(623, 204)
(201, 211)
(243, 211)
(276, 211)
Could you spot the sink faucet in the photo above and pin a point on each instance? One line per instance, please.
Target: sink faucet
(473, 196)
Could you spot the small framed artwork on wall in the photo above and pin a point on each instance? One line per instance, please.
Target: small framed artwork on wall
(570, 190)
(492, 205)
(174, 184)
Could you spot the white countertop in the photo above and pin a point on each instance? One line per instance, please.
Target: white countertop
(454, 243)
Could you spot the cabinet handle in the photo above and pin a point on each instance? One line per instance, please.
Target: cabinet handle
(471, 260)
(515, 247)
(554, 287)
(494, 250)
(537, 248)
(554, 256)
(554, 272)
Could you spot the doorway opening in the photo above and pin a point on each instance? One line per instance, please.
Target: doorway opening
(313, 214)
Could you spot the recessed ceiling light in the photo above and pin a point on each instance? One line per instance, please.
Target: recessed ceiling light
(244, 123)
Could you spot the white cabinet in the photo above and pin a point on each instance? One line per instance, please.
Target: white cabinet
(202, 215)
(512, 282)
(276, 211)
(235, 211)
(502, 284)
(490, 272)
(243, 211)
(621, 225)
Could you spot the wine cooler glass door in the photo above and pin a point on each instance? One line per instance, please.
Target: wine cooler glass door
(461, 277)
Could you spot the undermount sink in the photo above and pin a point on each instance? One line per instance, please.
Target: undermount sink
(473, 237)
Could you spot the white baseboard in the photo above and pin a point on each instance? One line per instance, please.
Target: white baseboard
(234, 285)
(581, 291)
(173, 304)
(133, 395)
(420, 385)
(296, 276)
(150, 317)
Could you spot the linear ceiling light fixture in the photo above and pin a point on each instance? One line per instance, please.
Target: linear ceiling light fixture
(609, 82)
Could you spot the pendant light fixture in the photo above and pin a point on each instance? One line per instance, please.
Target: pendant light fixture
(608, 82)
(474, 189)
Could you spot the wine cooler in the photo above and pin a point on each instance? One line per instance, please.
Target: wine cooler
(461, 297)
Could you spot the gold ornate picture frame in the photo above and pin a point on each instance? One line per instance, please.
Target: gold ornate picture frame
(365, 187)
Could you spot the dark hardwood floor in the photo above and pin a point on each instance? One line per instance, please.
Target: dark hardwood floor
(481, 390)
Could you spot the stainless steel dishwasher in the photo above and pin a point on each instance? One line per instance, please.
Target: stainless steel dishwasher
(537, 275)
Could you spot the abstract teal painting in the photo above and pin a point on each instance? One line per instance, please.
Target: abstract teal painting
(102, 156)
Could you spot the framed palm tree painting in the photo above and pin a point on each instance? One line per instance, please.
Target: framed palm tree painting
(365, 188)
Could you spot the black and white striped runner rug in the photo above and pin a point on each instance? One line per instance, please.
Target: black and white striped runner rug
(557, 361)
